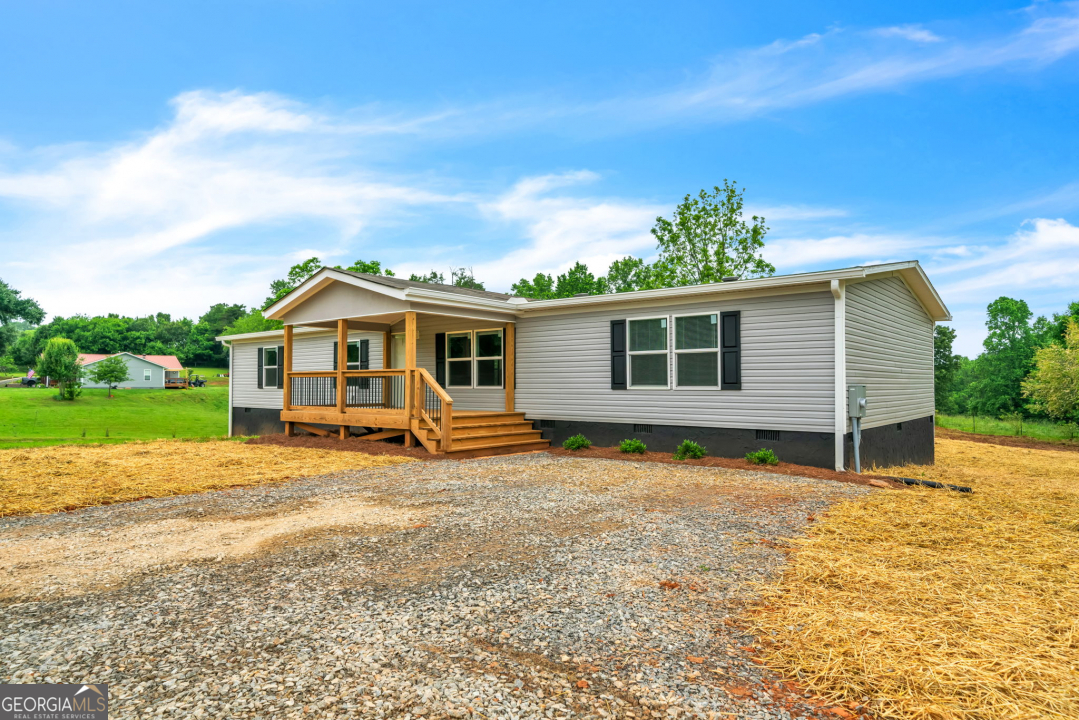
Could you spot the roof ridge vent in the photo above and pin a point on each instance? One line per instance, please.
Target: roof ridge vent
(731, 278)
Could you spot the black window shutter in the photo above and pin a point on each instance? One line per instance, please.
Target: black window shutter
(618, 355)
(260, 367)
(335, 355)
(280, 366)
(730, 350)
(365, 354)
(440, 359)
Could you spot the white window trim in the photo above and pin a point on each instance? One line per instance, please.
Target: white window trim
(147, 374)
(471, 358)
(476, 358)
(348, 365)
(631, 353)
(265, 367)
(677, 352)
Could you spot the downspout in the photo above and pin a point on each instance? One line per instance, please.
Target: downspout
(229, 343)
(838, 288)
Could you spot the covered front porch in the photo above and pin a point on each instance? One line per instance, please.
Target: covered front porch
(398, 394)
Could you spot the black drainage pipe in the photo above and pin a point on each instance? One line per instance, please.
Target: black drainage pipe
(932, 484)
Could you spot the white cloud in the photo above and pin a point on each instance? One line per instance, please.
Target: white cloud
(842, 250)
(825, 66)
(914, 33)
(562, 230)
(225, 162)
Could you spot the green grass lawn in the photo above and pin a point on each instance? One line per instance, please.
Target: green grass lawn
(1035, 429)
(30, 417)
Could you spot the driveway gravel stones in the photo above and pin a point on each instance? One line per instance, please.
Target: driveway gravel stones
(527, 586)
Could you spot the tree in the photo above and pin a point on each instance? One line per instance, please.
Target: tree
(252, 322)
(540, 287)
(708, 240)
(435, 278)
(577, 280)
(1055, 330)
(463, 277)
(1008, 358)
(112, 371)
(14, 307)
(370, 268)
(945, 367)
(630, 273)
(1053, 386)
(60, 361)
(296, 275)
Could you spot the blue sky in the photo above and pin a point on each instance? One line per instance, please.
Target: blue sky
(163, 157)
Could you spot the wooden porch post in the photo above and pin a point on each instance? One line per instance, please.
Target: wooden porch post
(410, 372)
(511, 364)
(342, 365)
(387, 359)
(287, 383)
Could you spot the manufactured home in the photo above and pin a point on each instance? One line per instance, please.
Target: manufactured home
(735, 366)
(143, 371)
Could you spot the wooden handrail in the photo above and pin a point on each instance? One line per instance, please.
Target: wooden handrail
(434, 385)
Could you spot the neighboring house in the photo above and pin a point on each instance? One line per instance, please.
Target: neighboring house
(144, 371)
(735, 366)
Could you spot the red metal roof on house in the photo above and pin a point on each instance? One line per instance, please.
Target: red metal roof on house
(169, 362)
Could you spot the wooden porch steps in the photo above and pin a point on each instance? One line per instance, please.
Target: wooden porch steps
(481, 434)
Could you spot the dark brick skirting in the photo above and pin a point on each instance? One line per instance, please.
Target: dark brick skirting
(803, 448)
(256, 421)
(910, 441)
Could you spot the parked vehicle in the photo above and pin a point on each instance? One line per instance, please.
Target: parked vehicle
(30, 381)
(197, 381)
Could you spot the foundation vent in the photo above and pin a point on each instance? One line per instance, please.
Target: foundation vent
(547, 424)
(772, 435)
(642, 428)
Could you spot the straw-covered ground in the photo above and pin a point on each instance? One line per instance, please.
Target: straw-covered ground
(42, 480)
(940, 604)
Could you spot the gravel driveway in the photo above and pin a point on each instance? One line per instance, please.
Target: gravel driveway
(520, 587)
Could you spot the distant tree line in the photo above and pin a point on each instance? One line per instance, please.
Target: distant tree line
(1029, 367)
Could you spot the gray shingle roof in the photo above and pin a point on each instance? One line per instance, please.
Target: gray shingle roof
(399, 283)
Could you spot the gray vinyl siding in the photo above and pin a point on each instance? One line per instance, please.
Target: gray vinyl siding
(889, 350)
(788, 365)
(463, 398)
(309, 353)
(135, 368)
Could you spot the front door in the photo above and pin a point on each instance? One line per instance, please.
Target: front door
(397, 350)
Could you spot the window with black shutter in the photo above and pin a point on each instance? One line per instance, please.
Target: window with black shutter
(618, 355)
(280, 366)
(731, 350)
(440, 358)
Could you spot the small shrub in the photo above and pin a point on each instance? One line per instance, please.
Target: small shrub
(764, 456)
(633, 445)
(689, 450)
(577, 442)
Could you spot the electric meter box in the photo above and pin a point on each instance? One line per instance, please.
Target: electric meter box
(856, 401)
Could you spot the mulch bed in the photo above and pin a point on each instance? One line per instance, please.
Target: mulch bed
(353, 444)
(1008, 440)
(613, 453)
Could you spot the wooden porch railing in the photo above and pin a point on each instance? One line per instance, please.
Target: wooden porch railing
(401, 394)
(434, 405)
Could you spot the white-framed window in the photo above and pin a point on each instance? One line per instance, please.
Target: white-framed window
(459, 359)
(474, 358)
(696, 350)
(269, 366)
(648, 354)
(488, 344)
(147, 374)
